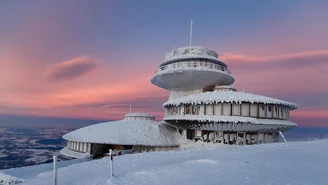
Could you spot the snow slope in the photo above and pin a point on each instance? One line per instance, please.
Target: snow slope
(267, 164)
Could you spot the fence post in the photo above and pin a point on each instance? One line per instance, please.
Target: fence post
(111, 163)
(55, 170)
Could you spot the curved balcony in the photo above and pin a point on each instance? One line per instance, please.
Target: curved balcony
(192, 64)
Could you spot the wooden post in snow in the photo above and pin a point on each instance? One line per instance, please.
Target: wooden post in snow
(111, 163)
(55, 180)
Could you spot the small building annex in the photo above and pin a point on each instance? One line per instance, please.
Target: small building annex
(137, 132)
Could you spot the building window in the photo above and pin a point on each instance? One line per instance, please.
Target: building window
(281, 112)
(188, 107)
(194, 109)
(209, 109)
(269, 108)
(171, 110)
(190, 134)
(176, 110)
(236, 109)
(262, 107)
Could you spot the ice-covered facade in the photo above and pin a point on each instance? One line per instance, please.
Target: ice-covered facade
(202, 105)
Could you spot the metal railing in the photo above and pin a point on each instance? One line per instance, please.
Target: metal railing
(192, 64)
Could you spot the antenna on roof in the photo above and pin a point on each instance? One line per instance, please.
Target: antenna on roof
(130, 108)
(190, 34)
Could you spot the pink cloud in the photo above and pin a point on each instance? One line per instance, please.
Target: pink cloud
(70, 69)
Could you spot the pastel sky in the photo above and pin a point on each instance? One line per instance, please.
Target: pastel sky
(91, 59)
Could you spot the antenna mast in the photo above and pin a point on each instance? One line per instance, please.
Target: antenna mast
(190, 33)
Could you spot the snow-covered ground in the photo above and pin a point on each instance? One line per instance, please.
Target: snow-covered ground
(267, 164)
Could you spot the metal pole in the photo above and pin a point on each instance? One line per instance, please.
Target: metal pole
(55, 180)
(283, 137)
(111, 162)
(190, 34)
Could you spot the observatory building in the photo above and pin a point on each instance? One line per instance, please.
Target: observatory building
(202, 106)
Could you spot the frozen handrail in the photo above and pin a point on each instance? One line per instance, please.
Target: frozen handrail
(192, 64)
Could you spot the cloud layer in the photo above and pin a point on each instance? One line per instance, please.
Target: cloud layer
(294, 60)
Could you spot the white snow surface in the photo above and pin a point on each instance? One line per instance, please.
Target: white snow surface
(228, 97)
(126, 132)
(8, 179)
(233, 119)
(292, 163)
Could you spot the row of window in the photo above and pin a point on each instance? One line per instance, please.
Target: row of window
(228, 109)
(79, 146)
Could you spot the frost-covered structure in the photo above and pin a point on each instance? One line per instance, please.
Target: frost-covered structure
(137, 132)
(204, 106)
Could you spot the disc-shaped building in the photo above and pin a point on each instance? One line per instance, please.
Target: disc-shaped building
(204, 106)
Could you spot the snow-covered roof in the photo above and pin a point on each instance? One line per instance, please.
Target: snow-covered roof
(78, 155)
(228, 96)
(126, 132)
(139, 115)
(230, 119)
